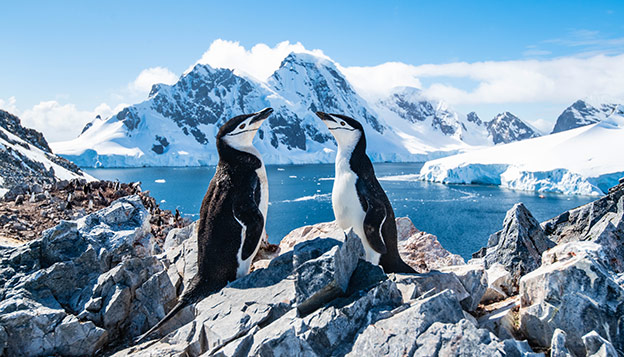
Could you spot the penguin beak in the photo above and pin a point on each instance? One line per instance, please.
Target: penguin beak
(261, 115)
(325, 117)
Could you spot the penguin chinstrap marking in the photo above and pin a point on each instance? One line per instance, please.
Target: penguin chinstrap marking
(232, 215)
(358, 199)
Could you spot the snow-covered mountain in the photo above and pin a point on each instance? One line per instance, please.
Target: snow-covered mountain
(26, 157)
(506, 128)
(176, 126)
(582, 113)
(585, 160)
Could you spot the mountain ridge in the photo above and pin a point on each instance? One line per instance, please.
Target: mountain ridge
(176, 125)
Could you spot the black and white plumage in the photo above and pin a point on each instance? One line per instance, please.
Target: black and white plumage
(233, 212)
(358, 199)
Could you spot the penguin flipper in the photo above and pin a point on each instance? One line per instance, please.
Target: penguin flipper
(373, 221)
(249, 214)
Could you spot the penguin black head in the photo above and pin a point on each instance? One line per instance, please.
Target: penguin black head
(347, 131)
(239, 131)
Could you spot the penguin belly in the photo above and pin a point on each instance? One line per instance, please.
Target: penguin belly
(348, 211)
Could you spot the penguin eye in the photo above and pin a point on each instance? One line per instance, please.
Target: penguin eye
(242, 126)
(342, 123)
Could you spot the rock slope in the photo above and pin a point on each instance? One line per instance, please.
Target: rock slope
(92, 285)
(25, 157)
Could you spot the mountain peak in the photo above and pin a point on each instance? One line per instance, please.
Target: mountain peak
(582, 113)
(299, 58)
(506, 127)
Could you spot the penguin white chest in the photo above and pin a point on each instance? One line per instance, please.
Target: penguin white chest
(348, 209)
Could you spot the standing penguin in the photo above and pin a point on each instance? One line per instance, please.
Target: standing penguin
(357, 197)
(232, 215)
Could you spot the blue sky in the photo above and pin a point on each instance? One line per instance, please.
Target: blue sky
(82, 54)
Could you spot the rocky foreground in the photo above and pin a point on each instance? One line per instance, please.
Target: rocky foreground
(91, 285)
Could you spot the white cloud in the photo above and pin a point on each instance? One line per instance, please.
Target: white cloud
(9, 105)
(59, 122)
(378, 80)
(544, 126)
(259, 62)
(560, 80)
(150, 76)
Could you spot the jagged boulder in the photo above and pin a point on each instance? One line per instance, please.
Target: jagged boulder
(499, 284)
(501, 318)
(322, 279)
(597, 346)
(397, 335)
(557, 344)
(258, 312)
(600, 222)
(518, 247)
(577, 295)
(420, 250)
(464, 339)
(474, 279)
(83, 284)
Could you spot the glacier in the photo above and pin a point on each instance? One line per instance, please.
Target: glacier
(581, 161)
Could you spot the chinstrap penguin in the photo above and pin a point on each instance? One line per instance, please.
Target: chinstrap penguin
(232, 215)
(358, 199)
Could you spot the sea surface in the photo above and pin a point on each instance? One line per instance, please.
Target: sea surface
(462, 216)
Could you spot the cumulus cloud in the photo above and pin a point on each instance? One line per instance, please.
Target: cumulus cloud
(379, 80)
(59, 122)
(544, 126)
(259, 62)
(150, 76)
(559, 80)
(9, 105)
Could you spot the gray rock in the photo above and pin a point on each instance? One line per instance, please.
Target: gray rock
(327, 331)
(74, 289)
(575, 225)
(397, 335)
(413, 286)
(577, 295)
(500, 284)
(320, 280)
(557, 345)
(518, 247)
(3, 340)
(464, 339)
(597, 346)
(475, 281)
(501, 320)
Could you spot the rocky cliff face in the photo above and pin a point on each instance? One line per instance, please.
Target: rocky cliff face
(581, 113)
(26, 157)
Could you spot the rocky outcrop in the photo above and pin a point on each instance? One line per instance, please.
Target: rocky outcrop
(518, 247)
(422, 251)
(91, 285)
(27, 210)
(26, 157)
(83, 284)
(577, 295)
(600, 222)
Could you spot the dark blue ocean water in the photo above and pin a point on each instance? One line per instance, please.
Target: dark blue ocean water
(462, 216)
